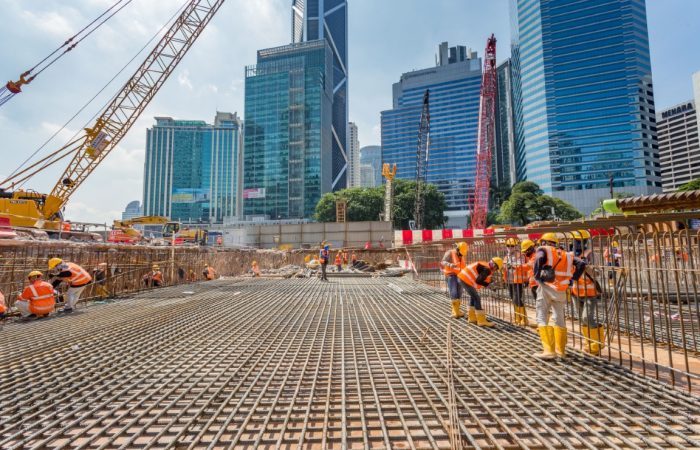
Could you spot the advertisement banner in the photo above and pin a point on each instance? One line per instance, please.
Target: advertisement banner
(190, 195)
(254, 193)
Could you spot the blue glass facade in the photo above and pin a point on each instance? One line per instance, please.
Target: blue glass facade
(191, 169)
(583, 98)
(288, 133)
(328, 19)
(454, 114)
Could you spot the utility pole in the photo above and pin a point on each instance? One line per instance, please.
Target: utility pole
(610, 183)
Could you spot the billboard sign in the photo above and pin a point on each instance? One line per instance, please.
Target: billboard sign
(190, 195)
(254, 193)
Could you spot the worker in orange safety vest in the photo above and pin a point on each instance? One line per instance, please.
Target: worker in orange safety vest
(338, 262)
(255, 269)
(586, 293)
(38, 298)
(3, 306)
(476, 276)
(209, 272)
(515, 277)
(71, 273)
(453, 261)
(555, 270)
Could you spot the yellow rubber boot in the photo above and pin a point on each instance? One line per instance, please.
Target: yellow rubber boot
(600, 338)
(587, 336)
(523, 316)
(482, 321)
(597, 336)
(547, 338)
(516, 315)
(456, 313)
(471, 315)
(560, 341)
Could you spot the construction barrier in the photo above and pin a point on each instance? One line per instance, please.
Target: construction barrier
(647, 268)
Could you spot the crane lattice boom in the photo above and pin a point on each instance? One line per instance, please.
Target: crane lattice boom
(422, 160)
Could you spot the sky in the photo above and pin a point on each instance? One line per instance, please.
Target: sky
(386, 39)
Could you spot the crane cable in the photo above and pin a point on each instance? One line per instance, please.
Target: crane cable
(15, 87)
(56, 155)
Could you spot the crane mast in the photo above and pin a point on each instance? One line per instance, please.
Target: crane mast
(422, 160)
(486, 135)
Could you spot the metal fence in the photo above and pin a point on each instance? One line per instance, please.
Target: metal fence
(649, 305)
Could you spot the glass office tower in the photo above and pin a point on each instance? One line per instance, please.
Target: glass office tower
(328, 19)
(288, 151)
(454, 86)
(192, 168)
(583, 98)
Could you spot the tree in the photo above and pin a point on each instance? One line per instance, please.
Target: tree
(690, 186)
(367, 203)
(527, 203)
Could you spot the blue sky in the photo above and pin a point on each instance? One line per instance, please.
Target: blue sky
(386, 38)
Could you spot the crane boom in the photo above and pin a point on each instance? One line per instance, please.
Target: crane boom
(422, 160)
(118, 117)
(486, 135)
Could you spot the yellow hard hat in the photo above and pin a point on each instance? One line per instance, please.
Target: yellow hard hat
(549, 237)
(255, 263)
(35, 273)
(53, 262)
(462, 248)
(511, 242)
(615, 244)
(580, 235)
(526, 245)
(156, 267)
(498, 262)
(585, 234)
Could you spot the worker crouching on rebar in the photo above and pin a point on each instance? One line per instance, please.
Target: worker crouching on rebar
(555, 270)
(154, 278)
(452, 263)
(474, 277)
(209, 273)
(38, 298)
(586, 293)
(99, 277)
(515, 278)
(71, 273)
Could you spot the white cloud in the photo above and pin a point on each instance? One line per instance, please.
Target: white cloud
(49, 22)
(183, 79)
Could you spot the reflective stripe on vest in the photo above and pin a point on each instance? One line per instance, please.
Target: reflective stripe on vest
(78, 275)
(458, 262)
(518, 271)
(564, 270)
(42, 299)
(584, 287)
(531, 270)
(469, 274)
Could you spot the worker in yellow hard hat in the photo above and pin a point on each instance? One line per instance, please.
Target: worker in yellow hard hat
(586, 292)
(554, 271)
(37, 299)
(76, 277)
(453, 261)
(255, 269)
(515, 278)
(528, 249)
(474, 277)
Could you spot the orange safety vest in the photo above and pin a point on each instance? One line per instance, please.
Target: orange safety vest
(337, 259)
(469, 274)
(157, 276)
(78, 275)
(563, 264)
(457, 261)
(40, 297)
(3, 308)
(531, 270)
(211, 273)
(517, 274)
(584, 287)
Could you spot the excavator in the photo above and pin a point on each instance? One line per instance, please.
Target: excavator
(172, 232)
(30, 210)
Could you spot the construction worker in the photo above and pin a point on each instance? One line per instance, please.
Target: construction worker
(353, 258)
(37, 299)
(71, 273)
(474, 277)
(154, 278)
(255, 269)
(3, 306)
(528, 248)
(338, 262)
(324, 257)
(192, 276)
(209, 272)
(452, 263)
(515, 277)
(99, 277)
(586, 294)
(345, 257)
(555, 270)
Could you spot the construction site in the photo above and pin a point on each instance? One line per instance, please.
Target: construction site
(340, 335)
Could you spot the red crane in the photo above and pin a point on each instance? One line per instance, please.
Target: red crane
(486, 137)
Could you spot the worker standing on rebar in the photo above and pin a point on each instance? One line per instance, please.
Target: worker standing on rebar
(338, 262)
(528, 249)
(37, 299)
(3, 306)
(586, 293)
(255, 269)
(474, 277)
(99, 276)
(76, 277)
(324, 257)
(613, 257)
(453, 261)
(345, 257)
(555, 270)
(515, 277)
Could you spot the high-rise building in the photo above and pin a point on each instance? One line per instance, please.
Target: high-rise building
(583, 99)
(696, 92)
(678, 145)
(328, 19)
(133, 209)
(288, 150)
(371, 155)
(353, 157)
(454, 85)
(367, 176)
(503, 161)
(192, 168)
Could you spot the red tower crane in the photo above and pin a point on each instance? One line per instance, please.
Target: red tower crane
(486, 136)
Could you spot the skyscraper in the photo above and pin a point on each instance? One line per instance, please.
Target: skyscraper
(454, 86)
(353, 157)
(696, 92)
(371, 155)
(503, 157)
(583, 98)
(328, 19)
(192, 168)
(678, 145)
(288, 150)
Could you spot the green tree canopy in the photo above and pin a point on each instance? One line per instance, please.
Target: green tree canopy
(368, 203)
(527, 203)
(690, 186)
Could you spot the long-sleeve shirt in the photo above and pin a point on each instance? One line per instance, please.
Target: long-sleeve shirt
(541, 261)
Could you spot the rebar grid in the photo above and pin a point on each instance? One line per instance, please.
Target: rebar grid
(354, 363)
